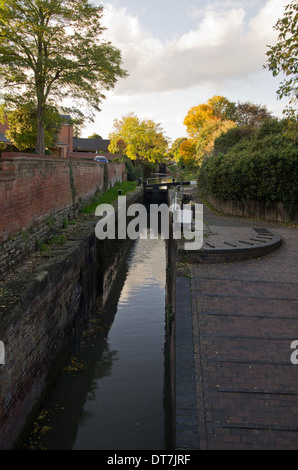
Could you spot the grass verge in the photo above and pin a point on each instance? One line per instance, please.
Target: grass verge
(110, 196)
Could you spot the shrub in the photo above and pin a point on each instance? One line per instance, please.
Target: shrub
(228, 139)
(135, 169)
(263, 167)
(134, 172)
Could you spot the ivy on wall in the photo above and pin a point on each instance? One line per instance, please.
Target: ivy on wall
(71, 182)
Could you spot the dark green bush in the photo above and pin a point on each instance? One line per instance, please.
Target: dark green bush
(137, 169)
(228, 139)
(134, 170)
(263, 167)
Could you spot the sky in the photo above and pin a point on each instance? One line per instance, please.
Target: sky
(178, 54)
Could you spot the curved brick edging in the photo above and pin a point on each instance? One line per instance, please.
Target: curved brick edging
(236, 244)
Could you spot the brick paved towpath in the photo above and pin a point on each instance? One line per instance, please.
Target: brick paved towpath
(236, 387)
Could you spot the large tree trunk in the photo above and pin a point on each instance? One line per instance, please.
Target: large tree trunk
(40, 141)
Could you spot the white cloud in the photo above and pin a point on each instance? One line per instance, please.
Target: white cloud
(221, 51)
(214, 30)
(221, 47)
(261, 26)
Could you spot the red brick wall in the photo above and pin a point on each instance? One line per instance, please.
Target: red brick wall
(66, 137)
(33, 188)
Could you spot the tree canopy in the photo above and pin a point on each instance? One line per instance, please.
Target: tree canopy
(282, 58)
(250, 114)
(52, 50)
(95, 136)
(139, 139)
(204, 123)
(207, 121)
(22, 130)
(174, 151)
(261, 166)
(217, 108)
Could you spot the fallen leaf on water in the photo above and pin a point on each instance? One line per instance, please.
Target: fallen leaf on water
(45, 429)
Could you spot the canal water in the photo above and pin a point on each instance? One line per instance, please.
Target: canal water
(114, 394)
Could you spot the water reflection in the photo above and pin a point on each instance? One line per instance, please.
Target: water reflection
(159, 179)
(116, 401)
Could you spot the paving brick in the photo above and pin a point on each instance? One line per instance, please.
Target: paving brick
(244, 318)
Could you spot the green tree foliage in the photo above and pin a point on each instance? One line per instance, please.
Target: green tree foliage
(95, 136)
(51, 50)
(261, 165)
(23, 126)
(208, 134)
(230, 138)
(282, 58)
(175, 148)
(139, 139)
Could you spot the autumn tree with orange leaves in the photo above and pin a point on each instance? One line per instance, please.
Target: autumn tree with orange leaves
(204, 123)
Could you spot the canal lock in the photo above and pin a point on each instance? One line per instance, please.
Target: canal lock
(116, 390)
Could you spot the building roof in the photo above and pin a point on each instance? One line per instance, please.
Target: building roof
(4, 139)
(90, 145)
(66, 117)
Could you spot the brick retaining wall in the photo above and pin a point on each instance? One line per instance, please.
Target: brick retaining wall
(277, 211)
(38, 193)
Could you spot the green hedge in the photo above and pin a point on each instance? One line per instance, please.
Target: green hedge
(136, 169)
(261, 166)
